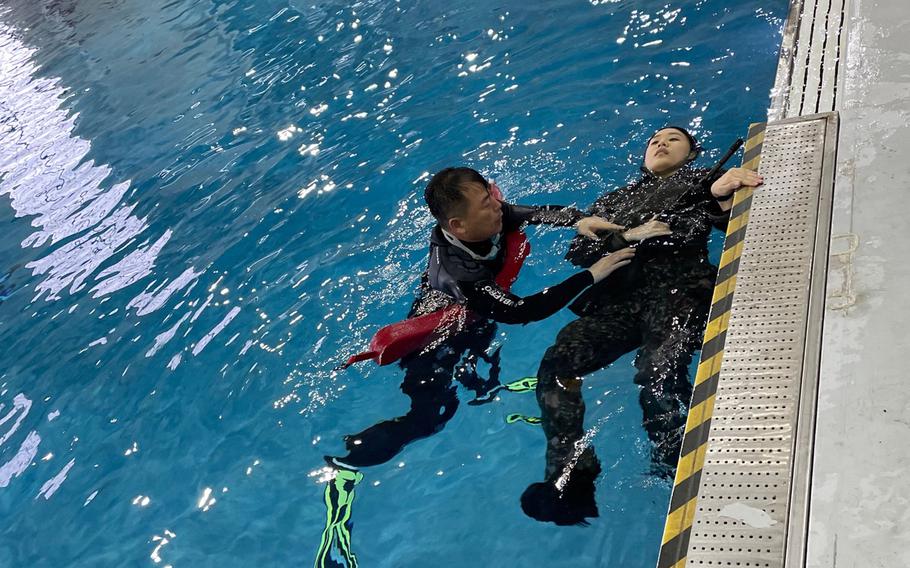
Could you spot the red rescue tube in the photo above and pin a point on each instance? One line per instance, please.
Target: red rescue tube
(396, 340)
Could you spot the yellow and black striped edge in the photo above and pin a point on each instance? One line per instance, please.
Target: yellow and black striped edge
(677, 529)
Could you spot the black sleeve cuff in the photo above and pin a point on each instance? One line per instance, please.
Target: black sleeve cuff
(586, 275)
(617, 241)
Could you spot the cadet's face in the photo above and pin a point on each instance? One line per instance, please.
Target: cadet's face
(667, 151)
(483, 215)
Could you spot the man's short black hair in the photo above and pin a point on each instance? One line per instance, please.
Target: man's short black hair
(445, 192)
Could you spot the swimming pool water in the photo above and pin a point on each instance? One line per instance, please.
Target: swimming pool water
(206, 206)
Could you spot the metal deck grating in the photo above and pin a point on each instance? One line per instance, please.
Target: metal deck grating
(743, 509)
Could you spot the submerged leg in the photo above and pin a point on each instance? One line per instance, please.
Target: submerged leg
(428, 383)
(476, 345)
(583, 346)
(674, 329)
(432, 406)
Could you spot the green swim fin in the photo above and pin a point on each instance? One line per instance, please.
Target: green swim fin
(513, 418)
(522, 385)
(339, 497)
(527, 384)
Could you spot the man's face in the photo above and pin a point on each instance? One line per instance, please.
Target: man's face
(667, 151)
(482, 218)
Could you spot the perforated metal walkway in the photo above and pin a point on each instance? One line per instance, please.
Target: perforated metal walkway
(739, 495)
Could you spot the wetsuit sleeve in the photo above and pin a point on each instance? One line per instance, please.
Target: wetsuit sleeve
(585, 251)
(718, 216)
(514, 216)
(688, 218)
(488, 299)
(605, 205)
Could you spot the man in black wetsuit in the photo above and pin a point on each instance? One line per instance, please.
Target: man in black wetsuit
(465, 256)
(658, 305)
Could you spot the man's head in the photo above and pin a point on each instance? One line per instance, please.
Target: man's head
(669, 149)
(460, 199)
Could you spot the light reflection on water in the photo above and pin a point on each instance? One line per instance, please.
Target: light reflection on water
(208, 205)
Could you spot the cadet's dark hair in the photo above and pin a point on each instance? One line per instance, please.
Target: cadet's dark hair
(445, 192)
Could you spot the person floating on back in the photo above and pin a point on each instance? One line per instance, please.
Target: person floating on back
(657, 306)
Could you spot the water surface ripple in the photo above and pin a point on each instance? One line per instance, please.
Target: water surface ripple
(207, 205)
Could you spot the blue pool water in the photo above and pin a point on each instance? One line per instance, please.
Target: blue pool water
(206, 206)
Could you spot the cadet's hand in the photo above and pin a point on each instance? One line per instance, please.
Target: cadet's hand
(608, 264)
(734, 179)
(652, 228)
(590, 225)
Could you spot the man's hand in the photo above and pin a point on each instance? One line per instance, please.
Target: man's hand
(734, 179)
(652, 228)
(590, 225)
(608, 264)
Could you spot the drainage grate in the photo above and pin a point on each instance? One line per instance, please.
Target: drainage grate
(811, 60)
(742, 514)
(740, 496)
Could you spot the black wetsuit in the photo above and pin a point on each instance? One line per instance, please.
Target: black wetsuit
(453, 275)
(658, 305)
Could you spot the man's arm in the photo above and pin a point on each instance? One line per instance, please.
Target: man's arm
(513, 216)
(560, 216)
(585, 251)
(491, 301)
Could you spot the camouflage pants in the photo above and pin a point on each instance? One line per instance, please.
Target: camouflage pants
(666, 327)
